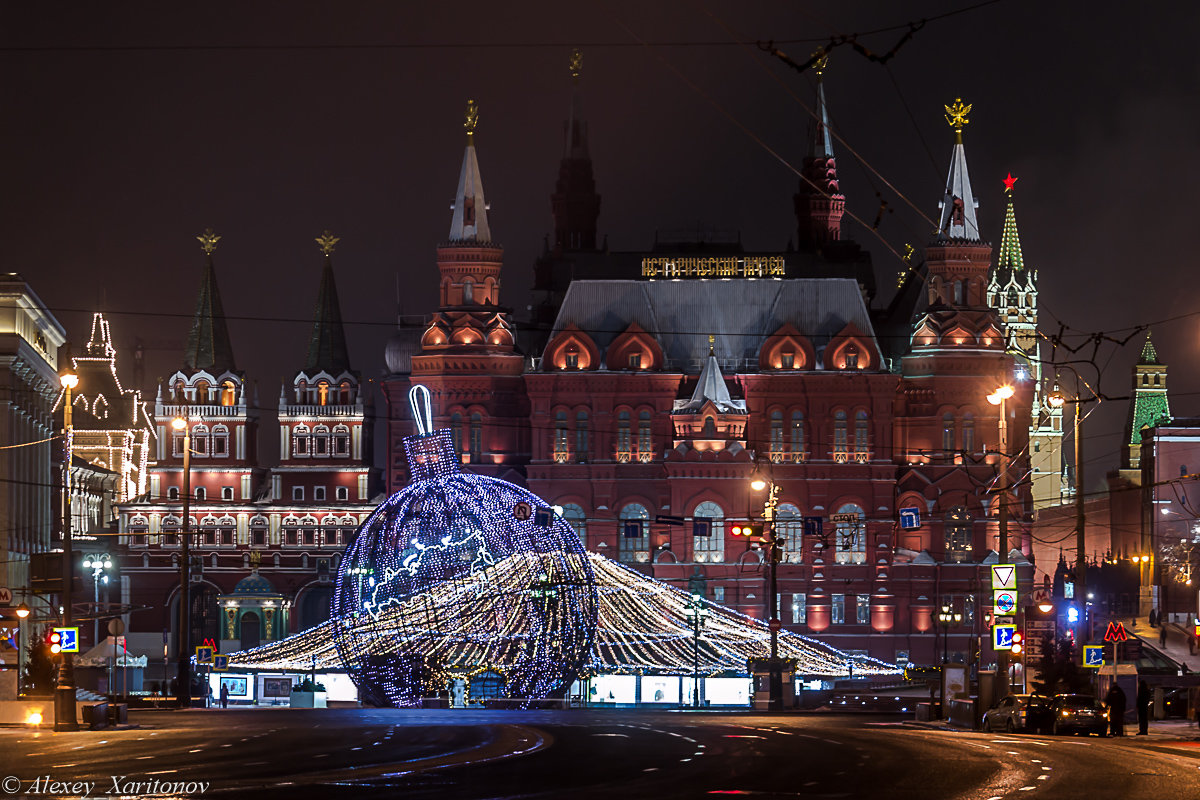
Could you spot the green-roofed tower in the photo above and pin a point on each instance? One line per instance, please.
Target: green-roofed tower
(1149, 406)
(209, 347)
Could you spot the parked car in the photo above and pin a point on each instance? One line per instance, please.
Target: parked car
(1020, 712)
(1078, 713)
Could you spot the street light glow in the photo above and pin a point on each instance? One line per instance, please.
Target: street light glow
(179, 423)
(69, 380)
(758, 484)
(22, 611)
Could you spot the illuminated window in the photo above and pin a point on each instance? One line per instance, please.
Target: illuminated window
(958, 529)
(645, 442)
(797, 435)
(323, 393)
(576, 518)
(851, 357)
(862, 607)
(948, 433)
(228, 394)
(839, 436)
(799, 609)
(635, 360)
(623, 437)
(851, 537)
(861, 434)
(789, 526)
(776, 448)
(709, 548)
(561, 437)
(634, 517)
(838, 610)
(572, 360)
(202, 393)
(787, 360)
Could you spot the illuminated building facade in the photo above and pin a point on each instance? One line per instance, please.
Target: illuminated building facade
(265, 542)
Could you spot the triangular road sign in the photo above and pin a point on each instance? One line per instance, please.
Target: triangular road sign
(1004, 576)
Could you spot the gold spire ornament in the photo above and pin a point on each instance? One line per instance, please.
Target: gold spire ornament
(956, 116)
(822, 61)
(208, 241)
(472, 119)
(575, 65)
(326, 241)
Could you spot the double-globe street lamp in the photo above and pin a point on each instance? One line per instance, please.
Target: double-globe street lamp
(696, 614)
(948, 616)
(759, 482)
(99, 564)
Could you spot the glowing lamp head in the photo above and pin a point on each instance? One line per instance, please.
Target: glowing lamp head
(69, 380)
(1004, 392)
(22, 611)
(1056, 399)
(1045, 608)
(33, 718)
(758, 484)
(179, 423)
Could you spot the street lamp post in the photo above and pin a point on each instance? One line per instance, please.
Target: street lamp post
(98, 564)
(1000, 398)
(1058, 399)
(758, 484)
(948, 617)
(184, 637)
(64, 693)
(22, 613)
(696, 614)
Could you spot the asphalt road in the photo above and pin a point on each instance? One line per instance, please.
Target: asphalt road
(461, 755)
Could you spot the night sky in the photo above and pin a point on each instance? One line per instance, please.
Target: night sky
(129, 128)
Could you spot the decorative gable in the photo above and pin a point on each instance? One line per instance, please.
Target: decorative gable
(634, 349)
(787, 349)
(572, 349)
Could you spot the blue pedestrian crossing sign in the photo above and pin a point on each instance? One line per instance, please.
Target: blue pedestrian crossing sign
(1002, 636)
(204, 655)
(813, 526)
(1093, 655)
(220, 663)
(910, 518)
(68, 640)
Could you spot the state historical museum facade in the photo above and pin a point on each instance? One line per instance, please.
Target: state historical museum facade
(649, 387)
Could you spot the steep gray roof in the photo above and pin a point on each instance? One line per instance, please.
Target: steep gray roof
(740, 313)
(711, 388)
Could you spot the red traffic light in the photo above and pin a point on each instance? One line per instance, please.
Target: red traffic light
(54, 639)
(747, 529)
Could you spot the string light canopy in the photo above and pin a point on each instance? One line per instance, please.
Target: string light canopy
(458, 572)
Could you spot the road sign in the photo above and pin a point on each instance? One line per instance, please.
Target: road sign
(1116, 632)
(1036, 631)
(204, 654)
(1004, 602)
(1002, 636)
(839, 518)
(1093, 655)
(1004, 576)
(667, 519)
(542, 518)
(5, 596)
(910, 518)
(1042, 595)
(522, 511)
(774, 625)
(220, 663)
(68, 639)
(813, 526)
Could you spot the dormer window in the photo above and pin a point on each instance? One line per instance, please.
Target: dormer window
(787, 361)
(572, 361)
(852, 357)
(635, 360)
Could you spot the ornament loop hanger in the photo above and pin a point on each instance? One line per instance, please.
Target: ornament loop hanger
(422, 409)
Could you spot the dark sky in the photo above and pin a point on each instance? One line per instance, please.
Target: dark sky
(129, 128)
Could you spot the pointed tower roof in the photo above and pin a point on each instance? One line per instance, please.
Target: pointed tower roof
(958, 206)
(712, 388)
(469, 223)
(1010, 241)
(575, 203)
(327, 346)
(1149, 354)
(209, 346)
(821, 141)
(100, 343)
(575, 144)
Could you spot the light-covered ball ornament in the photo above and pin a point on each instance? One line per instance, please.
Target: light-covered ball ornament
(462, 576)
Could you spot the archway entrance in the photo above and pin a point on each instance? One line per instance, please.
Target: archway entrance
(250, 631)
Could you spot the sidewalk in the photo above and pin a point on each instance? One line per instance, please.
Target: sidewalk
(1176, 647)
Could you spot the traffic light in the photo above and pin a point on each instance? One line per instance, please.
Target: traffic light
(748, 529)
(1018, 643)
(1072, 614)
(54, 639)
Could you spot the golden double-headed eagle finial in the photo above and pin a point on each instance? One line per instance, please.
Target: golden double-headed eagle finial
(326, 241)
(956, 115)
(208, 241)
(822, 61)
(472, 118)
(575, 64)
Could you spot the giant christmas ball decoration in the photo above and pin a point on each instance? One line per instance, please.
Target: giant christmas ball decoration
(461, 576)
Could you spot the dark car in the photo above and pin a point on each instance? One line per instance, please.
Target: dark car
(1079, 713)
(1020, 712)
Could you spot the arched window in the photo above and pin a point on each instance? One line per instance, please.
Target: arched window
(775, 448)
(851, 357)
(300, 441)
(323, 393)
(645, 441)
(968, 433)
(947, 434)
(258, 531)
(576, 518)
(320, 441)
(789, 526)
(344, 393)
(1012, 298)
(200, 440)
(851, 537)
(959, 544)
(862, 436)
(634, 519)
(798, 436)
(582, 445)
(840, 451)
(624, 447)
(228, 394)
(456, 433)
(200, 493)
(711, 548)
(958, 293)
(202, 393)
(561, 451)
(476, 438)
(172, 492)
(220, 441)
(468, 291)
(341, 441)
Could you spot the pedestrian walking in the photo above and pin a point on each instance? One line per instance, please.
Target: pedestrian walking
(1162, 633)
(1116, 710)
(225, 694)
(1153, 617)
(1145, 699)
